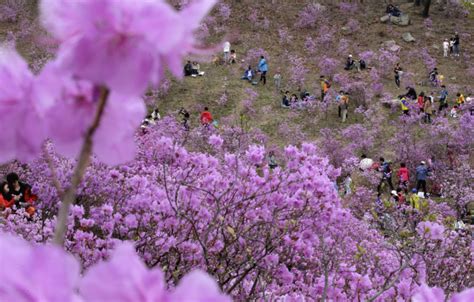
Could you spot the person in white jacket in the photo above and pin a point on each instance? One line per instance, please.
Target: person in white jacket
(226, 51)
(445, 48)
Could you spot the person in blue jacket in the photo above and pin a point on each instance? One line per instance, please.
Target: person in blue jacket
(421, 176)
(263, 68)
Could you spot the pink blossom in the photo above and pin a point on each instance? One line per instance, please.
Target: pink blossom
(21, 121)
(216, 141)
(432, 230)
(428, 294)
(110, 43)
(465, 296)
(115, 281)
(73, 103)
(198, 286)
(35, 272)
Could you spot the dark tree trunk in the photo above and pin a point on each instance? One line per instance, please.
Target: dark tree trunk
(426, 10)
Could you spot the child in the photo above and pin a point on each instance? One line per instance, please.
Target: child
(445, 48)
(454, 112)
(277, 79)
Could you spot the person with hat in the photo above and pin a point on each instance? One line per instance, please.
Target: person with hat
(421, 176)
(349, 63)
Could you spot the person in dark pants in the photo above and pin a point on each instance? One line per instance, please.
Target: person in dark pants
(421, 176)
(263, 68)
(397, 70)
(386, 175)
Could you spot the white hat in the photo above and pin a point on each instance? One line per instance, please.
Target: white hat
(350, 56)
(394, 192)
(423, 162)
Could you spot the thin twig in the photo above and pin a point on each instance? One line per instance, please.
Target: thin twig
(83, 162)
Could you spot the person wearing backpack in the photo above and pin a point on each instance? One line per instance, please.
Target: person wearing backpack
(386, 171)
(325, 85)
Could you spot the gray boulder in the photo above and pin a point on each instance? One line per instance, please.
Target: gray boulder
(403, 20)
(407, 37)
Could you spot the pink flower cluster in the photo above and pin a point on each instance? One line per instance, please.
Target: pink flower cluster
(47, 273)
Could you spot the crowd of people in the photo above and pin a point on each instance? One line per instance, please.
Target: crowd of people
(16, 195)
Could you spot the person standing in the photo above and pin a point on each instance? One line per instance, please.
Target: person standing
(428, 109)
(277, 79)
(445, 48)
(443, 99)
(403, 175)
(421, 176)
(386, 171)
(226, 51)
(344, 106)
(456, 44)
(263, 68)
(324, 87)
(339, 102)
(398, 72)
(206, 117)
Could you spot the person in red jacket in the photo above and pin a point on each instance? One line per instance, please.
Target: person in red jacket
(21, 192)
(206, 117)
(403, 177)
(6, 199)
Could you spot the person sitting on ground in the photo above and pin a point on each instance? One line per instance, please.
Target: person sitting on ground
(293, 100)
(362, 64)
(248, 74)
(6, 199)
(411, 93)
(302, 93)
(188, 69)
(454, 112)
(393, 10)
(21, 192)
(155, 115)
(460, 99)
(404, 104)
(196, 70)
(349, 63)
(206, 117)
(233, 56)
(285, 101)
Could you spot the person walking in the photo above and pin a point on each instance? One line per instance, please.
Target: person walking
(443, 99)
(386, 171)
(398, 72)
(263, 68)
(344, 106)
(421, 176)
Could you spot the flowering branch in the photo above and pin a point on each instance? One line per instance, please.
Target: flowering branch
(83, 162)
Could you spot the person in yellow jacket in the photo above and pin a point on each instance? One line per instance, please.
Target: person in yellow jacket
(416, 202)
(460, 99)
(404, 104)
